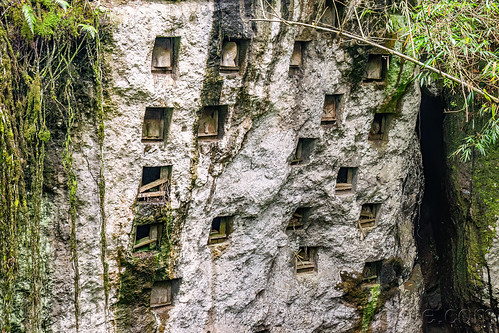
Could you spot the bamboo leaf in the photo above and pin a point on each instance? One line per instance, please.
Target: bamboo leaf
(29, 17)
(89, 29)
(61, 3)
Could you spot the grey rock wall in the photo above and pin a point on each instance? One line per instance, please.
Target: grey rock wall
(249, 283)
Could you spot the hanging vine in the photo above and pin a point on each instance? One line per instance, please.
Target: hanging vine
(43, 58)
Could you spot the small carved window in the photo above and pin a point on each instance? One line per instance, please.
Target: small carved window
(298, 218)
(303, 151)
(155, 184)
(379, 127)
(368, 216)
(208, 123)
(147, 237)
(162, 292)
(346, 179)
(163, 54)
(377, 67)
(231, 55)
(332, 13)
(371, 272)
(297, 55)
(221, 227)
(306, 260)
(155, 124)
(331, 109)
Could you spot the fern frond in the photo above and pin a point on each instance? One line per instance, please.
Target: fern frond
(61, 3)
(29, 17)
(90, 30)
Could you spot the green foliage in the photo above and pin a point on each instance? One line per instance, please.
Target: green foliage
(370, 308)
(460, 38)
(90, 30)
(29, 17)
(39, 43)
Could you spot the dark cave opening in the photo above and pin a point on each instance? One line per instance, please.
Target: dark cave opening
(431, 232)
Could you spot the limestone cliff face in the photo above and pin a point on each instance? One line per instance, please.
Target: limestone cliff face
(249, 282)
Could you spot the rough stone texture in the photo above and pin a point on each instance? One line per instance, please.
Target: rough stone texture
(248, 284)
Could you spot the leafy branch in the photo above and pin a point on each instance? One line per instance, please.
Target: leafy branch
(454, 42)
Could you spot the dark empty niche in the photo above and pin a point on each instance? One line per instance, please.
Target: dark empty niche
(371, 272)
(156, 124)
(233, 54)
(263, 331)
(377, 67)
(331, 109)
(306, 260)
(221, 227)
(163, 292)
(155, 184)
(345, 182)
(297, 55)
(368, 216)
(164, 54)
(332, 13)
(299, 218)
(379, 127)
(303, 151)
(147, 237)
(211, 122)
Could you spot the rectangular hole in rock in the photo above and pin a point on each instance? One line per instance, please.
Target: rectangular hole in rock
(331, 109)
(299, 218)
(221, 227)
(233, 54)
(376, 67)
(211, 122)
(163, 293)
(371, 272)
(306, 260)
(297, 55)
(164, 54)
(155, 184)
(156, 124)
(332, 13)
(303, 151)
(147, 237)
(345, 181)
(368, 216)
(379, 127)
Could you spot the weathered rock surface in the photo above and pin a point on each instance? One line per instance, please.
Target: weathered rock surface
(247, 284)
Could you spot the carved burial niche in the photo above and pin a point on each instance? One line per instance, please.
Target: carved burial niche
(156, 124)
(163, 293)
(147, 237)
(332, 13)
(371, 272)
(298, 219)
(368, 216)
(377, 67)
(221, 227)
(155, 184)
(211, 122)
(331, 109)
(379, 127)
(345, 181)
(164, 54)
(297, 55)
(306, 260)
(232, 56)
(303, 151)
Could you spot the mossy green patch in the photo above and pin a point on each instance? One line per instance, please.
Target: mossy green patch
(370, 308)
(142, 269)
